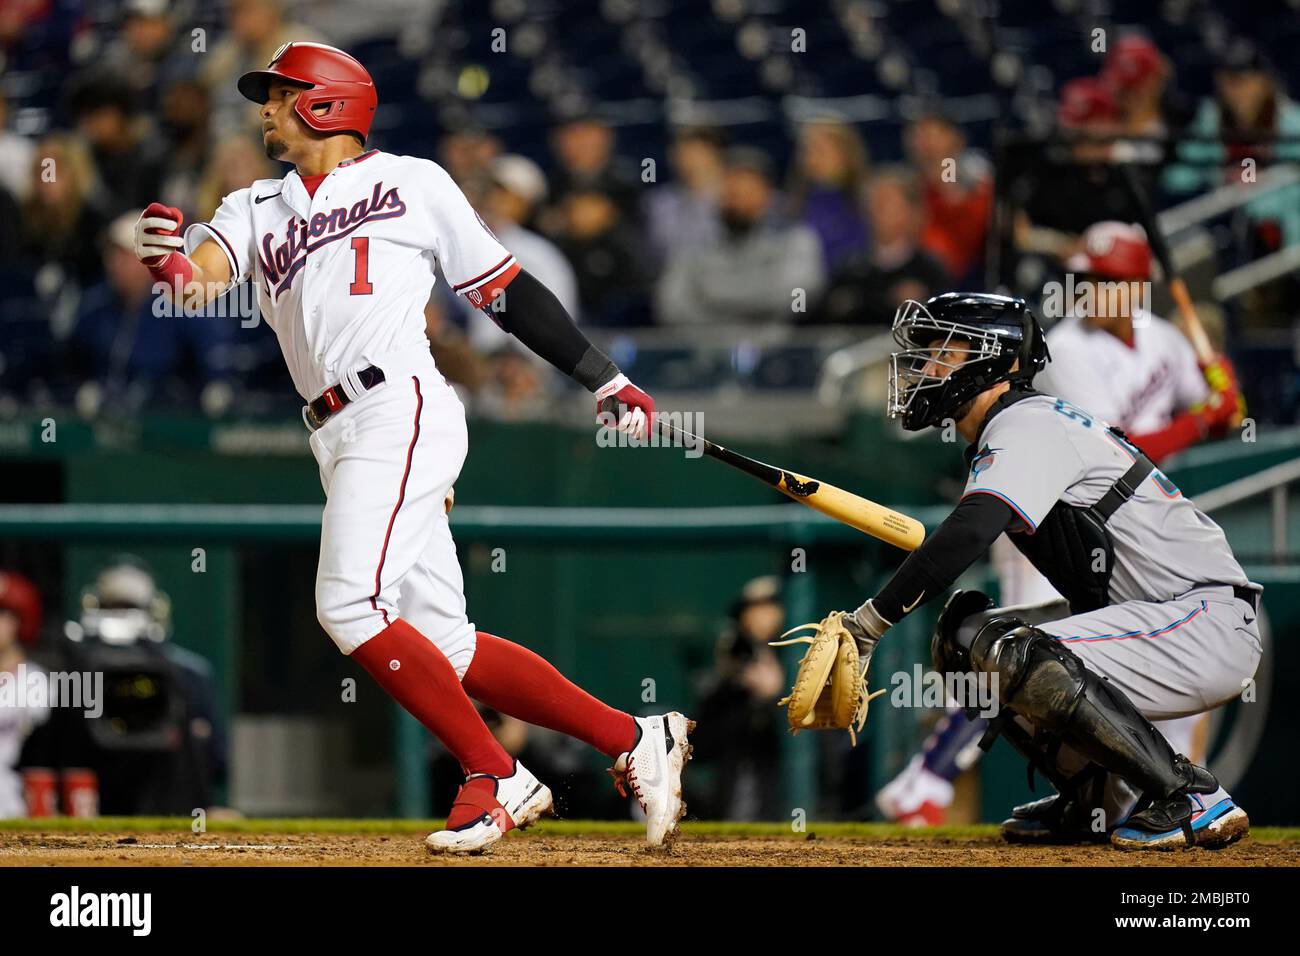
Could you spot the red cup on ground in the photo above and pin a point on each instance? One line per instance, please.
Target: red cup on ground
(80, 792)
(41, 791)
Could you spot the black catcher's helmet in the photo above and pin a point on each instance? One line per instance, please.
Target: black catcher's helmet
(988, 334)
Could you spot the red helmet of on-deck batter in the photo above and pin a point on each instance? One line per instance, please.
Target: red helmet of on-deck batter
(1113, 250)
(332, 78)
(19, 595)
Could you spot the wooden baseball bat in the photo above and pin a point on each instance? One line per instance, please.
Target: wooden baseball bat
(850, 509)
(1177, 287)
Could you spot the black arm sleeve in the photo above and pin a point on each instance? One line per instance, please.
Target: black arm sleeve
(532, 314)
(955, 545)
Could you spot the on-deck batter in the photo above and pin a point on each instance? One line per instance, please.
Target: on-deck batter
(344, 251)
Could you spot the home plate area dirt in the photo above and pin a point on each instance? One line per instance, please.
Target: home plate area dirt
(577, 843)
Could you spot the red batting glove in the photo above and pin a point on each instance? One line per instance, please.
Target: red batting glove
(158, 245)
(622, 405)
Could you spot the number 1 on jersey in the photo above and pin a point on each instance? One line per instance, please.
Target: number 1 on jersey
(361, 274)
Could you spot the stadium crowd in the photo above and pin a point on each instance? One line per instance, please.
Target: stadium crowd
(716, 231)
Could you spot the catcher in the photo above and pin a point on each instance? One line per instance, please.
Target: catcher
(1162, 620)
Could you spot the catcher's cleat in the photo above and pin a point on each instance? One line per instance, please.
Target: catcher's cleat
(1050, 822)
(1215, 822)
(652, 772)
(506, 803)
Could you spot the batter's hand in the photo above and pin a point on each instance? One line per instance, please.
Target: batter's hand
(622, 405)
(157, 233)
(1225, 408)
(1219, 374)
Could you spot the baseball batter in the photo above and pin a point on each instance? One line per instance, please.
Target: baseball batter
(1135, 370)
(344, 251)
(1162, 622)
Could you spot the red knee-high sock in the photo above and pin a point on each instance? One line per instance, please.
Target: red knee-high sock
(420, 678)
(515, 681)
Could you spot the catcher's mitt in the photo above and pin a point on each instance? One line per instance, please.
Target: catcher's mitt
(830, 690)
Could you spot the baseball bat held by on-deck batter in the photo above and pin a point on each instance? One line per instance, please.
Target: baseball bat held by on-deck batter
(844, 506)
(1160, 247)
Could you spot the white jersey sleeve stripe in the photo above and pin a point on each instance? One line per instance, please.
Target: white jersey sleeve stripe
(488, 276)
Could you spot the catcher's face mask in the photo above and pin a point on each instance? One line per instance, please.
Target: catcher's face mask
(941, 365)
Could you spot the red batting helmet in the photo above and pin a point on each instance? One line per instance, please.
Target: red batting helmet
(332, 78)
(19, 595)
(1113, 250)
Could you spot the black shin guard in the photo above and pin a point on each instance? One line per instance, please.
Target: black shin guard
(1043, 681)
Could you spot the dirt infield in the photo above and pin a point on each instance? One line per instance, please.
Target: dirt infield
(574, 843)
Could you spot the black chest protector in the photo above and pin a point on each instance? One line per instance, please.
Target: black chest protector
(1073, 548)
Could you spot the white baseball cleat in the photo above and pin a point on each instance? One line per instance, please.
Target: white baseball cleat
(652, 771)
(506, 803)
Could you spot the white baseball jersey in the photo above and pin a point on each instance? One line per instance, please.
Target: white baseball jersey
(343, 277)
(1139, 388)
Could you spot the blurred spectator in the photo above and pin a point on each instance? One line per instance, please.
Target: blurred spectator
(235, 163)
(129, 158)
(128, 355)
(20, 626)
(1249, 119)
(64, 214)
(1138, 76)
(683, 214)
(515, 187)
(829, 173)
(50, 255)
(257, 28)
(607, 255)
(870, 288)
(16, 153)
(1061, 195)
(11, 236)
(759, 270)
(518, 187)
(186, 116)
(148, 54)
(347, 22)
(738, 740)
(515, 389)
(957, 193)
(584, 147)
(458, 361)
(467, 153)
(35, 43)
